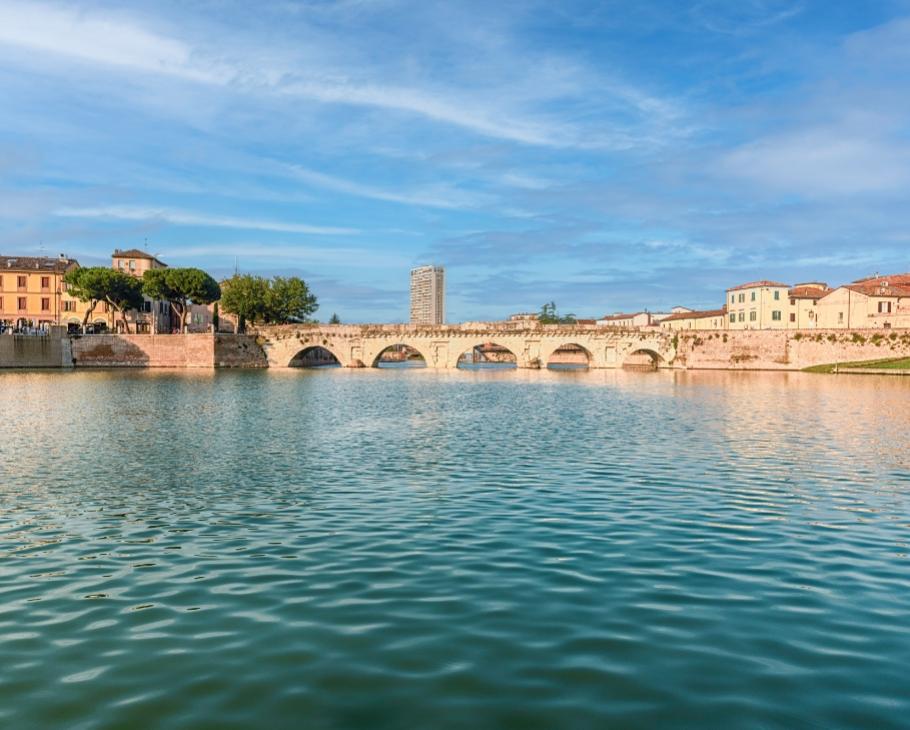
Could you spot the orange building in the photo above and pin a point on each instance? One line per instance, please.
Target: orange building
(33, 293)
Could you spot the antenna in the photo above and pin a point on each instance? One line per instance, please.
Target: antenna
(236, 265)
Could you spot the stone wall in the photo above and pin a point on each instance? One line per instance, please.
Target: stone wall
(25, 351)
(238, 351)
(152, 351)
(785, 349)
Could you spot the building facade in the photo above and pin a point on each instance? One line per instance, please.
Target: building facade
(881, 302)
(33, 294)
(758, 305)
(712, 319)
(626, 321)
(428, 295)
(804, 299)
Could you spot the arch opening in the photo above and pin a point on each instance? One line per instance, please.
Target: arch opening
(642, 359)
(314, 356)
(569, 357)
(400, 357)
(488, 356)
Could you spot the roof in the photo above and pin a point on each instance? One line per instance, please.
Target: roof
(875, 289)
(585, 321)
(620, 315)
(805, 291)
(134, 253)
(759, 284)
(59, 265)
(704, 314)
(890, 279)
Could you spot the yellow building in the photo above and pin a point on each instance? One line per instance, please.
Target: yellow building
(626, 321)
(33, 293)
(881, 302)
(804, 299)
(712, 319)
(758, 305)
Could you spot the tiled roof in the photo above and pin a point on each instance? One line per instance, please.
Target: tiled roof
(873, 289)
(36, 263)
(585, 321)
(756, 284)
(135, 253)
(704, 314)
(619, 316)
(890, 279)
(807, 292)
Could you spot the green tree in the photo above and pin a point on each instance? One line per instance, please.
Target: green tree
(180, 287)
(549, 315)
(289, 300)
(124, 293)
(244, 296)
(88, 285)
(335, 319)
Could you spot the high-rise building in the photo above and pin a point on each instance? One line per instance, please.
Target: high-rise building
(428, 295)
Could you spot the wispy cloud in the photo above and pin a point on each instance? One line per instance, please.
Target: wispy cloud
(187, 218)
(439, 196)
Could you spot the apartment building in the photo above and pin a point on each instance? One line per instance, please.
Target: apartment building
(33, 293)
(428, 295)
(758, 305)
(711, 319)
(877, 302)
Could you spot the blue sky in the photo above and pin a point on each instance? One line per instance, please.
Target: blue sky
(605, 155)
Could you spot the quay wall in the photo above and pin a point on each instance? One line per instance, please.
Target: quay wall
(144, 351)
(27, 351)
(786, 349)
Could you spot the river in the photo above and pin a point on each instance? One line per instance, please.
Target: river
(411, 548)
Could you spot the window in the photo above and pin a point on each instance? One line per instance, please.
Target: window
(45, 304)
(753, 296)
(752, 316)
(840, 317)
(132, 265)
(742, 316)
(45, 282)
(732, 297)
(20, 282)
(792, 316)
(742, 298)
(792, 302)
(775, 315)
(732, 317)
(884, 307)
(1, 304)
(23, 304)
(776, 295)
(69, 306)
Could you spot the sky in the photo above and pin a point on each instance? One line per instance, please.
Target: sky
(606, 155)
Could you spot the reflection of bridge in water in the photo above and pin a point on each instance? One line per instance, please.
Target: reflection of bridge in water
(446, 346)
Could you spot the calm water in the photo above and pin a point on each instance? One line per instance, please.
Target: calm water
(404, 548)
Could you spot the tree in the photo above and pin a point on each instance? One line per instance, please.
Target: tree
(244, 296)
(124, 293)
(180, 287)
(87, 285)
(549, 315)
(335, 319)
(289, 300)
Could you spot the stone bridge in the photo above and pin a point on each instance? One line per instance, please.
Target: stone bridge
(441, 346)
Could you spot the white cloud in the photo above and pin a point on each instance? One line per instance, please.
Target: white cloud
(433, 197)
(822, 162)
(188, 218)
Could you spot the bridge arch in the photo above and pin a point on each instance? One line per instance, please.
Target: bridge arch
(568, 356)
(643, 358)
(490, 353)
(407, 348)
(313, 356)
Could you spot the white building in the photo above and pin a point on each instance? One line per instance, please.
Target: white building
(428, 295)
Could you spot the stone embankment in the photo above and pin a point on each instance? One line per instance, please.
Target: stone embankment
(786, 349)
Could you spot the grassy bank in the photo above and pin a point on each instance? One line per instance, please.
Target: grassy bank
(892, 364)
